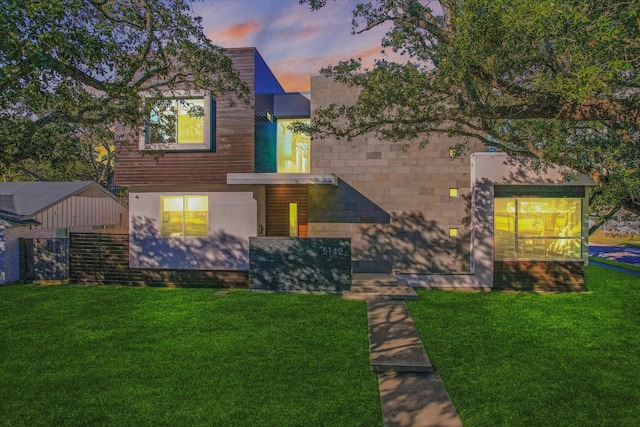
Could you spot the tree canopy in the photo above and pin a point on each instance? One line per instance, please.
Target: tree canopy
(70, 69)
(554, 80)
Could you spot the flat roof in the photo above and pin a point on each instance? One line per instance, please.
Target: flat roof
(283, 178)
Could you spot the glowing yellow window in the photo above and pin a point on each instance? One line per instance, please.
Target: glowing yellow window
(293, 220)
(538, 228)
(453, 192)
(293, 149)
(453, 232)
(184, 216)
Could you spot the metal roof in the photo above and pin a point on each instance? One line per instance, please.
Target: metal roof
(21, 200)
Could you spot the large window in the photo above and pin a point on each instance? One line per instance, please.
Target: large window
(184, 123)
(293, 151)
(184, 216)
(538, 228)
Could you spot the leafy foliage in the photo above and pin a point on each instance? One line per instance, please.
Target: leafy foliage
(70, 69)
(557, 81)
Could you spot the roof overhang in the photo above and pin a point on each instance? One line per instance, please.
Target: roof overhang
(283, 178)
(15, 221)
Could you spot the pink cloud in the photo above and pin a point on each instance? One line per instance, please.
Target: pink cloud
(294, 74)
(235, 33)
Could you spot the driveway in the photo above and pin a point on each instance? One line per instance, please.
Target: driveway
(626, 254)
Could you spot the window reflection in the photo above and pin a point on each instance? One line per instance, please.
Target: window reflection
(177, 121)
(184, 216)
(292, 149)
(540, 228)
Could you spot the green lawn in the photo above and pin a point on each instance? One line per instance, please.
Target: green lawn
(80, 355)
(519, 359)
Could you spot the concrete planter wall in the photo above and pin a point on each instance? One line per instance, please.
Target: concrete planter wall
(290, 264)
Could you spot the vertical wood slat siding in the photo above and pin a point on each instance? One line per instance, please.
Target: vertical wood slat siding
(278, 198)
(235, 129)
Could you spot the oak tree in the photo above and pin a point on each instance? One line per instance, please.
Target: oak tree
(70, 69)
(555, 80)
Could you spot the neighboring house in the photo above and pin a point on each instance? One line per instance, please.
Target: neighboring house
(622, 222)
(50, 209)
(482, 220)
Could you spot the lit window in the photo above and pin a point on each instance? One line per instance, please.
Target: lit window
(292, 148)
(538, 228)
(453, 192)
(453, 232)
(184, 216)
(293, 220)
(180, 124)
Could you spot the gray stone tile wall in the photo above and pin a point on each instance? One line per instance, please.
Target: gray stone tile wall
(409, 183)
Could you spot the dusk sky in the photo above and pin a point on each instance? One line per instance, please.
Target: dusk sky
(294, 41)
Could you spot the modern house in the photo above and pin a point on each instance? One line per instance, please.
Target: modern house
(479, 220)
(51, 209)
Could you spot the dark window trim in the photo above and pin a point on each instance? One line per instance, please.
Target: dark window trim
(209, 131)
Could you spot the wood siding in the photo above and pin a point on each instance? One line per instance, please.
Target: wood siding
(104, 258)
(539, 276)
(278, 198)
(234, 142)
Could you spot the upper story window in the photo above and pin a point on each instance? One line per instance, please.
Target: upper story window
(293, 149)
(180, 123)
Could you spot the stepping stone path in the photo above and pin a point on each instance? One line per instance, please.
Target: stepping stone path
(411, 392)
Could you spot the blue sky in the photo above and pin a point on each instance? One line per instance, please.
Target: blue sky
(292, 39)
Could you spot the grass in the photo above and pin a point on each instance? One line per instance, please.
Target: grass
(614, 238)
(519, 359)
(616, 263)
(74, 355)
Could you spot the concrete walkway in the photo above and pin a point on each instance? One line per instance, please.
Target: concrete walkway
(615, 268)
(366, 286)
(411, 392)
(625, 254)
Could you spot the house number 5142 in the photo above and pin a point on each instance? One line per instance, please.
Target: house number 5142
(328, 250)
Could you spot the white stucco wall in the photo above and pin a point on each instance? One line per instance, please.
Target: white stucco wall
(233, 218)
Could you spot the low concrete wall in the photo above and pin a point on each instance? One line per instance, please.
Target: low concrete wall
(290, 264)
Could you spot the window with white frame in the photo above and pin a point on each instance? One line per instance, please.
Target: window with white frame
(180, 123)
(184, 216)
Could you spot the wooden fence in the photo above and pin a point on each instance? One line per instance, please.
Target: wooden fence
(99, 258)
(44, 259)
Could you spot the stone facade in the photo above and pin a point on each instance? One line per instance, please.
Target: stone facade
(292, 264)
(413, 186)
